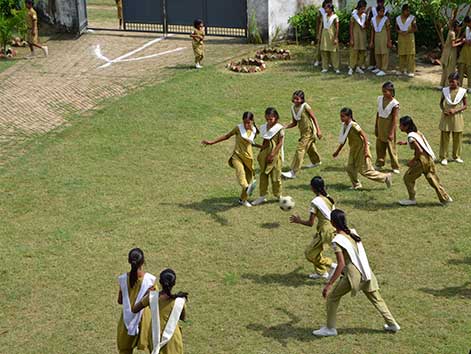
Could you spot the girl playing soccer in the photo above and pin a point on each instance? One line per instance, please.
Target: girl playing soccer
(321, 207)
(134, 328)
(358, 40)
(452, 103)
(271, 156)
(242, 158)
(167, 309)
(330, 51)
(422, 163)
(381, 40)
(385, 128)
(355, 274)
(359, 159)
(198, 44)
(406, 27)
(309, 129)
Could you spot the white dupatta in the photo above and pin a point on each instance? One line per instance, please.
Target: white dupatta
(160, 341)
(131, 319)
(360, 20)
(297, 116)
(404, 26)
(379, 26)
(422, 141)
(386, 111)
(458, 98)
(322, 11)
(468, 33)
(359, 258)
(269, 134)
(344, 132)
(244, 134)
(328, 21)
(320, 204)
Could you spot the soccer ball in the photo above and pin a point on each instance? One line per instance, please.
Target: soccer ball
(286, 203)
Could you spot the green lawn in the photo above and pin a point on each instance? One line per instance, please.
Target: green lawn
(5, 64)
(134, 174)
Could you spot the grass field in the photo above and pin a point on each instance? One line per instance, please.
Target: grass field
(133, 174)
(5, 64)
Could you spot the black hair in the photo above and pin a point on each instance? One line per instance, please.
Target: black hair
(360, 4)
(300, 94)
(348, 112)
(168, 279)
(318, 185)
(339, 220)
(136, 260)
(330, 6)
(455, 24)
(325, 2)
(270, 111)
(454, 76)
(197, 23)
(380, 1)
(388, 85)
(409, 123)
(405, 7)
(250, 116)
(379, 8)
(29, 2)
(467, 19)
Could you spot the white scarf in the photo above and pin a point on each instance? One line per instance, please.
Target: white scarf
(459, 96)
(328, 21)
(269, 134)
(322, 11)
(404, 27)
(244, 134)
(297, 116)
(344, 132)
(132, 320)
(321, 205)
(172, 323)
(422, 142)
(359, 259)
(386, 112)
(361, 21)
(468, 34)
(386, 10)
(379, 26)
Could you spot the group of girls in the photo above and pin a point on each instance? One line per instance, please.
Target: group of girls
(150, 318)
(375, 22)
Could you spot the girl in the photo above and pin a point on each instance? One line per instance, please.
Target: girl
(450, 53)
(406, 26)
(271, 156)
(372, 13)
(134, 327)
(359, 159)
(422, 163)
(304, 118)
(464, 61)
(355, 274)
(198, 45)
(381, 40)
(319, 31)
(330, 40)
(452, 103)
(167, 309)
(385, 128)
(358, 40)
(321, 207)
(242, 157)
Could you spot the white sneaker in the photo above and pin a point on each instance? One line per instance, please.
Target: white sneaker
(448, 201)
(388, 180)
(317, 63)
(359, 70)
(245, 203)
(405, 73)
(459, 160)
(392, 328)
(324, 71)
(356, 187)
(325, 332)
(381, 73)
(315, 276)
(411, 74)
(371, 68)
(408, 202)
(375, 71)
(198, 66)
(444, 162)
(312, 165)
(337, 71)
(259, 201)
(289, 174)
(396, 171)
(45, 51)
(350, 72)
(251, 187)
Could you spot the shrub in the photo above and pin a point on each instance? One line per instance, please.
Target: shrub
(304, 23)
(12, 20)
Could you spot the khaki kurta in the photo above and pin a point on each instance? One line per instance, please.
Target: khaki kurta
(242, 161)
(406, 42)
(381, 39)
(32, 26)
(449, 53)
(272, 169)
(465, 54)
(455, 122)
(360, 41)
(198, 46)
(119, 7)
(383, 144)
(328, 38)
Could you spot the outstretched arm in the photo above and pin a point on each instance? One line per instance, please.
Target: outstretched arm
(296, 219)
(337, 152)
(218, 140)
(292, 124)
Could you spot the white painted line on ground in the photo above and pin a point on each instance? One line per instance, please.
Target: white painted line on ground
(100, 55)
(153, 55)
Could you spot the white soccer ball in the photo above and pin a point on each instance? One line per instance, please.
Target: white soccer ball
(287, 203)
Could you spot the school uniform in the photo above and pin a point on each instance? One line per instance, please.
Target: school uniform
(374, 13)
(406, 44)
(448, 58)
(32, 36)
(271, 170)
(321, 207)
(381, 27)
(464, 61)
(307, 140)
(384, 126)
(360, 41)
(329, 50)
(318, 49)
(119, 6)
(425, 166)
(452, 124)
(356, 276)
(198, 46)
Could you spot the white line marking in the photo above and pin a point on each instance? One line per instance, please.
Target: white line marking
(153, 55)
(99, 54)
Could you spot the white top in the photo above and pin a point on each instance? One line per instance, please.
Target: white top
(270, 133)
(360, 20)
(404, 26)
(386, 112)
(297, 116)
(378, 27)
(318, 203)
(459, 96)
(359, 259)
(344, 132)
(328, 21)
(422, 141)
(468, 34)
(244, 134)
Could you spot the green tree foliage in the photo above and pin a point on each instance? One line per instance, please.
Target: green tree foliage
(304, 23)
(12, 20)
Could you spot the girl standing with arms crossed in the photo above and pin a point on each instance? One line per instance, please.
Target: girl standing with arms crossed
(450, 53)
(372, 12)
(134, 328)
(198, 42)
(464, 61)
(355, 275)
(321, 207)
(359, 159)
(330, 40)
(406, 27)
(421, 164)
(358, 39)
(271, 156)
(387, 118)
(305, 119)
(452, 103)
(242, 158)
(319, 31)
(381, 40)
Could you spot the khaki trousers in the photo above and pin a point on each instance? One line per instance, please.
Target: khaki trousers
(357, 58)
(446, 71)
(318, 52)
(244, 177)
(330, 57)
(390, 148)
(275, 176)
(365, 169)
(382, 62)
(407, 63)
(445, 141)
(341, 288)
(314, 255)
(462, 70)
(372, 60)
(198, 51)
(305, 144)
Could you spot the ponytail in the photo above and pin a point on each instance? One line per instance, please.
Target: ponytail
(339, 221)
(250, 116)
(318, 185)
(168, 279)
(136, 260)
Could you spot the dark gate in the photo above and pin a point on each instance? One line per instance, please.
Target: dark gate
(82, 16)
(221, 17)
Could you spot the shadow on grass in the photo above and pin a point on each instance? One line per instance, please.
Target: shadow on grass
(467, 138)
(293, 279)
(270, 225)
(213, 207)
(452, 291)
(334, 169)
(372, 205)
(465, 260)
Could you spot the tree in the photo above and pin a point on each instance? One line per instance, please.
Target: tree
(12, 19)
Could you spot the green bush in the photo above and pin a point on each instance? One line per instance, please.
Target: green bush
(12, 21)
(304, 23)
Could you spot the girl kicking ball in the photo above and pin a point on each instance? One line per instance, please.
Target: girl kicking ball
(242, 158)
(355, 275)
(321, 207)
(421, 164)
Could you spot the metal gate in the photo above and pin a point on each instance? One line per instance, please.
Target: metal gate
(221, 17)
(82, 16)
